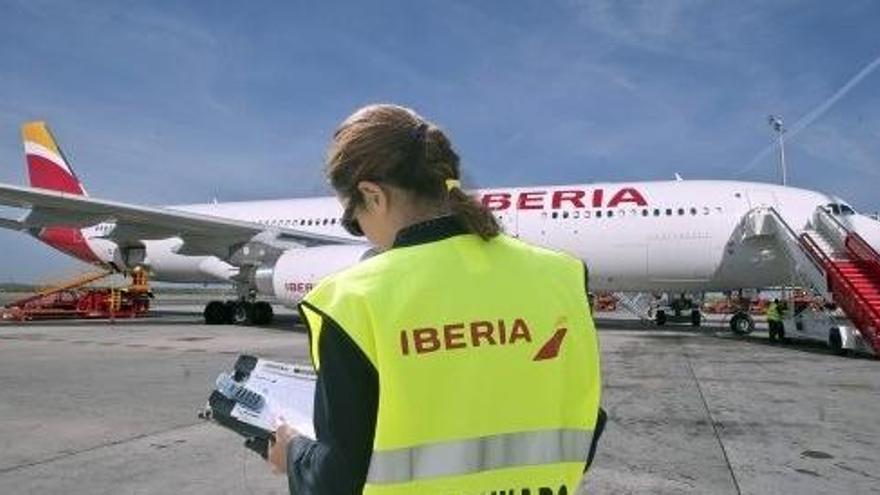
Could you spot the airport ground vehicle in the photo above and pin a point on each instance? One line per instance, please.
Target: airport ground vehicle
(78, 299)
(823, 325)
(683, 309)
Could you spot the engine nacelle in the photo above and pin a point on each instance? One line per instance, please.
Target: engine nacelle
(298, 270)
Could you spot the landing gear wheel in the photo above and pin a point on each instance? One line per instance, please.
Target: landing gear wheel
(660, 319)
(696, 318)
(263, 313)
(742, 324)
(216, 313)
(243, 313)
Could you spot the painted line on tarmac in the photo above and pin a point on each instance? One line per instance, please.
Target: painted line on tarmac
(93, 448)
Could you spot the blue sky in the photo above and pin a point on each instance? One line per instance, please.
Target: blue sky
(176, 102)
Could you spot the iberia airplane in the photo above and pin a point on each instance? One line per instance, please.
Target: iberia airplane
(636, 236)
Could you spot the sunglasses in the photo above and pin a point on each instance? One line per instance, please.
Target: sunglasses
(349, 222)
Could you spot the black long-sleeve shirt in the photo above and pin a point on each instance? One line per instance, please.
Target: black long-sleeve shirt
(347, 398)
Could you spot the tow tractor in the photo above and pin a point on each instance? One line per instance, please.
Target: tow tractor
(682, 309)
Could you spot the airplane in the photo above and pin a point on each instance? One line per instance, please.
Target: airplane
(663, 236)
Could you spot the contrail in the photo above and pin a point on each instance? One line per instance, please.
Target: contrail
(814, 114)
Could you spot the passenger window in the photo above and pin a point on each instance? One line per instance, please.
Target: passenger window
(681, 211)
(555, 214)
(610, 213)
(564, 214)
(706, 210)
(693, 211)
(576, 214)
(598, 214)
(587, 214)
(668, 212)
(656, 212)
(645, 212)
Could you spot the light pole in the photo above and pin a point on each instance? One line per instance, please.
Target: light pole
(775, 122)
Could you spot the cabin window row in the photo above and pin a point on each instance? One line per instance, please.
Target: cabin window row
(301, 222)
(635, 212)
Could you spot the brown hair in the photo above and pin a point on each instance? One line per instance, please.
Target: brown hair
(394, 145)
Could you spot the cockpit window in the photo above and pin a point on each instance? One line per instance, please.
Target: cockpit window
(840, 209)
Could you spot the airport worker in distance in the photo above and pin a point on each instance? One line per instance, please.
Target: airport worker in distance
(774, 319)
(457, 360)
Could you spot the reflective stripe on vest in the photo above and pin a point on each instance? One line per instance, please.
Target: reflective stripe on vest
(462, 457)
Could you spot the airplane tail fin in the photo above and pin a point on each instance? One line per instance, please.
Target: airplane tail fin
(47, 166)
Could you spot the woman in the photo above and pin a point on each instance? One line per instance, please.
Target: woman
(457, 360)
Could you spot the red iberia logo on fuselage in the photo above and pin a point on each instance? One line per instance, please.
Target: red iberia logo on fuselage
(563, 198)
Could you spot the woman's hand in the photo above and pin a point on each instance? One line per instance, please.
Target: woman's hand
(278, 448)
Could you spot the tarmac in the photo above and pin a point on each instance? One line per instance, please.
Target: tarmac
(99, 407)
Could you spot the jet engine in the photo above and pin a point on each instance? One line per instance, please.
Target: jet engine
(298, 270)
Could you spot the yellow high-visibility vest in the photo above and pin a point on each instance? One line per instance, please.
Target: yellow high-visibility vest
(487, 361)
(773, 313)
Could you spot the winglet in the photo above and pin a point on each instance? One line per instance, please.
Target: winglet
(47, 166)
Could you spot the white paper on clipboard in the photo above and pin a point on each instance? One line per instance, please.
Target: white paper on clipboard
(289, 393)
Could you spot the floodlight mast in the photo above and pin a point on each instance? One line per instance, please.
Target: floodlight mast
(776, 124)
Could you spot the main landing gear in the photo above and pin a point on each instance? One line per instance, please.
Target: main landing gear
(239, 312)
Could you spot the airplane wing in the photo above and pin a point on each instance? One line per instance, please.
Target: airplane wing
(202, 234)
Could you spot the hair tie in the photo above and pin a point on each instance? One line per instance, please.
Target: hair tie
(452, 184)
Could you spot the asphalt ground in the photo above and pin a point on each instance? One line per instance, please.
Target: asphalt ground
(99, 407)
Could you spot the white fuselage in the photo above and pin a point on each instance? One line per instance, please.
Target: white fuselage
(641, 236)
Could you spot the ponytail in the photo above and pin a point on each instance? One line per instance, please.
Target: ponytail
(475, 217)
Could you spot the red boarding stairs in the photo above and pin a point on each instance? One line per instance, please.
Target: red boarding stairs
(853, 277)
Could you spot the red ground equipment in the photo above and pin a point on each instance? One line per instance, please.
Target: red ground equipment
(72, 299)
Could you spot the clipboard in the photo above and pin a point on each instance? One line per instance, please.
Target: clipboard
(251, 399)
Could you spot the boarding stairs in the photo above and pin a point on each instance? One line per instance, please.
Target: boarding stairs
(835, 261)
(639, 304)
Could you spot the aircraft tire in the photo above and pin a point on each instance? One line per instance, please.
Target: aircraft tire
(742, 324)
(263, 313)
(243, 313)
(660, 318)
(215, 313)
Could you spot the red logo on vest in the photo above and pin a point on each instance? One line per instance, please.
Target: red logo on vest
(550, 350)
(455, 336)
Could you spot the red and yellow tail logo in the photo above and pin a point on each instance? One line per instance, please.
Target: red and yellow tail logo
(47, 167)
